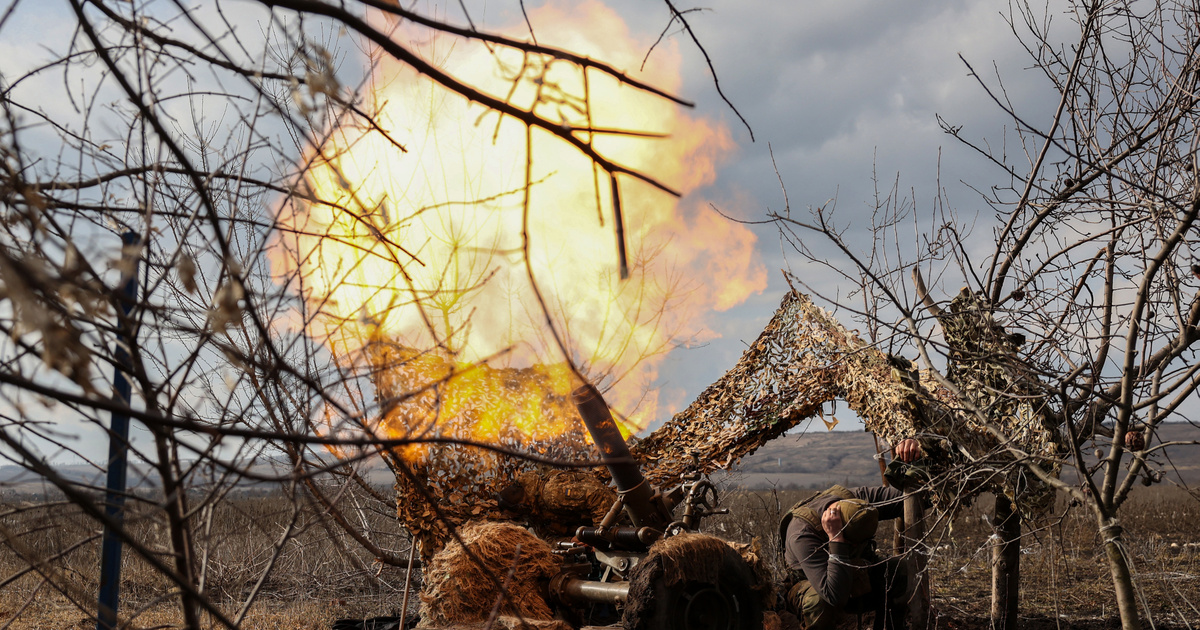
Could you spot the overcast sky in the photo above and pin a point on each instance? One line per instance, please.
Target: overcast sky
(837, 89)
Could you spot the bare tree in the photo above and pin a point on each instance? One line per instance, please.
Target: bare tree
(1086, 279)
(191, 131)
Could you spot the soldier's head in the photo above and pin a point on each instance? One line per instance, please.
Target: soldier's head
(512, 498)
(524, 493)
(861, 520)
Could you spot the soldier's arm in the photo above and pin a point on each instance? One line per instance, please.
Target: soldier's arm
(888, 500)
(824, 567)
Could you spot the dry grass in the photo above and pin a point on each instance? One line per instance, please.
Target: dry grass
(1064, 573)
(321, 575)
(49, 565)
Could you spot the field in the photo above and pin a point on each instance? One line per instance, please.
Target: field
(49, 565)
(817, 458)
(49, 560)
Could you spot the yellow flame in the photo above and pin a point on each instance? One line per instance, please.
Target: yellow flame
(519, 407)
(424, 245)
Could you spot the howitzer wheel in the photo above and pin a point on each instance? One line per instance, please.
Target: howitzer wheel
(692, 582)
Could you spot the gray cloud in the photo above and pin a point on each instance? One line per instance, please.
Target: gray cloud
(842, 90)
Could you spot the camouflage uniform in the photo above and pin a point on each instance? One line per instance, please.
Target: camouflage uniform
(558, 502)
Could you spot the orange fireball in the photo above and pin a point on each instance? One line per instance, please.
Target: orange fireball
(440, 236)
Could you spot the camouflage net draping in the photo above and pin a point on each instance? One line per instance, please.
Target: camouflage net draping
(448, 484)
(803, 359)
(1005, 393)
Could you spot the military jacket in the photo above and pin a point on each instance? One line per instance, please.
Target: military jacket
(829, 566)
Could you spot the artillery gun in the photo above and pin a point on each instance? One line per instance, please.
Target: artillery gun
(657, 569)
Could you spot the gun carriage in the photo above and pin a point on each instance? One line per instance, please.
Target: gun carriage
(677, 577)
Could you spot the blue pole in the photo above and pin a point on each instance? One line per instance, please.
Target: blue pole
(118, 442)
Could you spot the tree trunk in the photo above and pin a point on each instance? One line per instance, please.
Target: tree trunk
(914, 536)
(1122, 577)
(1006, 564)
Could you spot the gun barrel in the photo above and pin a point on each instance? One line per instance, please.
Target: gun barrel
(630, 483)
(571, 589)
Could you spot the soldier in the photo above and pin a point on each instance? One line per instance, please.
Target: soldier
(557, 502)
(829, 549)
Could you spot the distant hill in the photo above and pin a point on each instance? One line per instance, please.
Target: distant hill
(15, 480)
(818, 459)
(810, 460)
(813, 459)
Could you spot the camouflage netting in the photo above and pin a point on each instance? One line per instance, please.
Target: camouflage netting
(803, 359)
(460, 588)
(1004, 391)
(558, 502)
(452, 484)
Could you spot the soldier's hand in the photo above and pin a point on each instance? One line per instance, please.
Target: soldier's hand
(832, 523)
(908, 450)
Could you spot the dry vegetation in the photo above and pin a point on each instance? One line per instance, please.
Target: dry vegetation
(321, 576)
(319, 573)
(210, 364)
(1064, 574)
